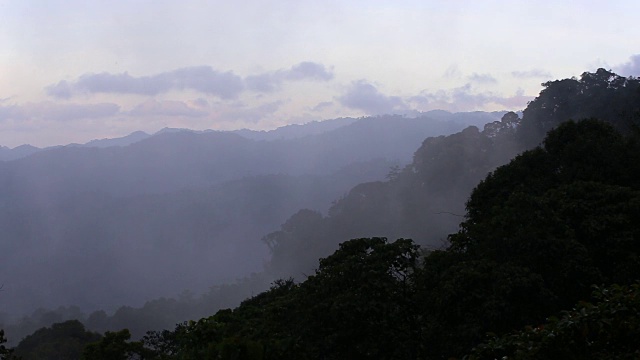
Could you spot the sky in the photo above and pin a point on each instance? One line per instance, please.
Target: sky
(73, 71)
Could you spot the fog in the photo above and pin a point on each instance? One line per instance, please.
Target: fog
(316, 180)
(100, 227)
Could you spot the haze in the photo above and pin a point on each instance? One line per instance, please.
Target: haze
(73, 71)
(185, 155)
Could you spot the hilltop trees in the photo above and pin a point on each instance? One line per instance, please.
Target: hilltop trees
(605, 329)
(5, 353)
(61, 341)
(358, 304)
(425, 200)
(538, 233)
(602, 95)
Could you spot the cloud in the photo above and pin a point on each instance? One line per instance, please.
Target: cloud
(533, 73)
(57, 112)
(199, 103)
(242, 113)
(166, 108)
(482, 78)
(465, 99)
(517, 101)
(322, 106)
(267, 82)
(61, 90)
(272, 81)
(630, 68)
(363, 96)
(11, 112)
(453, 71)
(203, 79)
(308, 71)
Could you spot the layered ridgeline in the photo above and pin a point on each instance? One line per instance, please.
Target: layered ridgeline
(119, 222)
(425, 201)
(537, 234)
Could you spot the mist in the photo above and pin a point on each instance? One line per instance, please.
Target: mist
(318, 180)
(100, 227)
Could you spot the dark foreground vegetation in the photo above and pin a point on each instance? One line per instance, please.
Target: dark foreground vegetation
(545, 264)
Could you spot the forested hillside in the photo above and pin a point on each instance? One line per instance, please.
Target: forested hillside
(176, 211)
(538, 233)
(425, 200)
(494, 248)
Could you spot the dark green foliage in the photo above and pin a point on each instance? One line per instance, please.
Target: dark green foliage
(116, 346)
(153, 315)
(358, 304)
(61, 341)
(5, 352)
(603, 95)
(537, 234)
(258, 329)
(609, 328)
(539, 231)
(359, 301)
(424, 201)
(558, 213)
(461, 301)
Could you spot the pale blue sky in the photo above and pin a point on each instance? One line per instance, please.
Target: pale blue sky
(72, 71)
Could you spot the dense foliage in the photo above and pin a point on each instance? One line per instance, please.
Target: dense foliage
(5, 353)
(357, 305)
(61, 341)
(425, 200)
(538, 233)
(602, 95)
(606, 329)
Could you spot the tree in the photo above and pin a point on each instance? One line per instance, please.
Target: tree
(5, 353)
(538, 232)
(116, 346)
(608, 328)
(359, 303)
(602, 95)
(506, 127)
(61, 341)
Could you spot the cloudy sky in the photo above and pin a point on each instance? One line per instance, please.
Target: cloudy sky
(72, 71)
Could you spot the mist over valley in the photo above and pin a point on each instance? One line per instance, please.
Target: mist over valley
(180, 210)
(319, 180)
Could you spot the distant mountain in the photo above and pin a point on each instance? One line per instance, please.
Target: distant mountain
(472, 118)
(425, 201)
(294, 131)
(122, 141)
(7, 154)
(171, 161)
(288, 132)
(178, 209)
(422, 201)
(183, 208)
